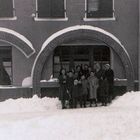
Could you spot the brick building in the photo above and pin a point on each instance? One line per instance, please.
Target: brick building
(37, 37)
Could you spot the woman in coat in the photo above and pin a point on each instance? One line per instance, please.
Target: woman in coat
(84, 90)
(93, 85)
(63, 87)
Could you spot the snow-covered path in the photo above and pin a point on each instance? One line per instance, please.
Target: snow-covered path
(42, 119)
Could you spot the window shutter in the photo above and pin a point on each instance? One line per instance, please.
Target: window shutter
(6, 8)
(58, 8)
(44, 8)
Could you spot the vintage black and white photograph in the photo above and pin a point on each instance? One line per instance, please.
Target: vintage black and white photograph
(69, 70)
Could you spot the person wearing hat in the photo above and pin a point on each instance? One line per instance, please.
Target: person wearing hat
(109, 75)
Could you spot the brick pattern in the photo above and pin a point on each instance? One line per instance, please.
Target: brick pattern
(82, 34)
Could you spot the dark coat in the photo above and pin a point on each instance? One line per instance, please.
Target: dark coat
(103, 89)
(86, 73)
(70, 84)
(84, 87)
(109, 75)
(63, 88)
(75, 92)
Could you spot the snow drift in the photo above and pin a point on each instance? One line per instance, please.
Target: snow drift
(43, 119)
(29, 105)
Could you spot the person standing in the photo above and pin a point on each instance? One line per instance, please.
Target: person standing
(109, 75)
(63, 87)
(78, 72)
(84, 90)
(99, 74)
(75, 94)
(104, 91)
(93, 85)
(70, 84)
(85, 71)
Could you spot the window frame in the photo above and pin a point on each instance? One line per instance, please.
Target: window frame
(14, 13)
(36, 18)
(100, 18)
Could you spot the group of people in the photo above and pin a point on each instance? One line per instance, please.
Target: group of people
(83, 84)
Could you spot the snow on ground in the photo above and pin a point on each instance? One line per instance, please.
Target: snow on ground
(43, 119)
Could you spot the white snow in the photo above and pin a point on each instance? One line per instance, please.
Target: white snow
(43, 119)
(27, 82)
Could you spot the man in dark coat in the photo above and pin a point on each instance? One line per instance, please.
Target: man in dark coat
(63, 87)
(109, 75)
(70, 84)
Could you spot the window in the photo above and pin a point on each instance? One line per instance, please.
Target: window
(6, 9)
(6, 65)
(71, 56)
(99, 9)
(51, 8)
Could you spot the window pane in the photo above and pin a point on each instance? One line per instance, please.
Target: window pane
(6, 8)
(58, 8)
(93, 5)
(106, 8)
(51, 8)
(99, 8)
(44, 8)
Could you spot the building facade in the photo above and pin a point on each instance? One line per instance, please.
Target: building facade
(37, 37)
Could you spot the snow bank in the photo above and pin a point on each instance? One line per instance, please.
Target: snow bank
(29, 105)
(115, 122)
(130, 99)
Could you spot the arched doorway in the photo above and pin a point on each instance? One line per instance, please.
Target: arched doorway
(80, 33)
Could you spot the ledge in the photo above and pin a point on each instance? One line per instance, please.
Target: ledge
(99, 19)
(50, 19)
(11, 18)
(55, 84)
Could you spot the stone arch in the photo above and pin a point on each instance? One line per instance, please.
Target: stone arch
(17, 40)
(80, 32)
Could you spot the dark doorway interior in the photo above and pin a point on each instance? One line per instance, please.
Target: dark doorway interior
(6, 65)
(69, 56)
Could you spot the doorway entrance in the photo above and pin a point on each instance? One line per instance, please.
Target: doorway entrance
(69, 56)
(74, 33)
